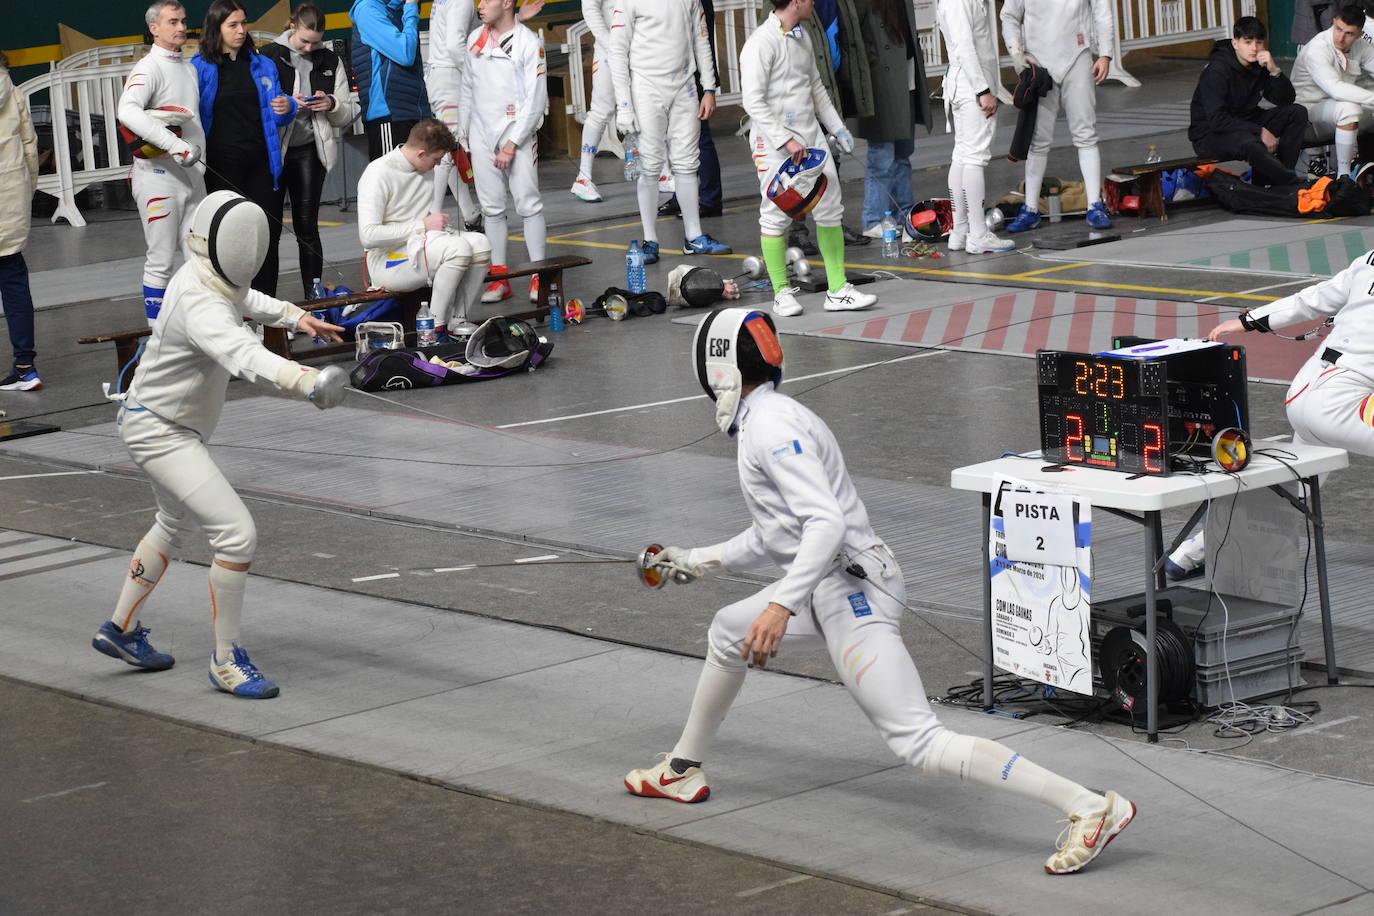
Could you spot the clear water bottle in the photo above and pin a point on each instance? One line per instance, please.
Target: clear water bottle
(892, 236)
(1152, 155)
(316, 289)
(425, 335)
(632, 168)
(635, 279)
(555, 308)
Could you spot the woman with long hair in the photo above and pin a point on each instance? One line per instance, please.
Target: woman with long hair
(241, 108)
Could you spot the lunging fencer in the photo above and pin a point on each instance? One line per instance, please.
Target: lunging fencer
(504, 99)
(787, 105)
(159, 113)
(656, 47)
(841, 590)
(1057, 35)
(408, 245)
(170, 411)
(596, 13)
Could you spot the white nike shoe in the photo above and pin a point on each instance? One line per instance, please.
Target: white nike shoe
(785, 304)
(957, 239)
(849, 299)
(987, 243)
(585, 189)
(662, 781)
(1088, 833)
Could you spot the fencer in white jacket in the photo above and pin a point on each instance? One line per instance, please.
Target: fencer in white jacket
(504, 99)
(1324, 81)
(841, 590)
(162, 92)
(1072, 40)
(597, 14)
(970, 91)
(169, 412)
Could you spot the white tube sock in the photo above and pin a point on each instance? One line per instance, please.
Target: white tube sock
(956, 198)
(496, 234)
(689, 201)
(469, 291)
(717, 688)
(1035, 178)
(974, 191)
(647, 191)
(1346, 145)
(446, 289)
(151, 558)
(226, 607)
(990, 764)
(535, 234)
(1090, 164)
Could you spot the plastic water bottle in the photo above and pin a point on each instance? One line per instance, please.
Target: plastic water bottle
(316, 289)
(635, 279)
(425, 335)
(555, 308)
(892, 238)
(1152, 155)
(632, 156)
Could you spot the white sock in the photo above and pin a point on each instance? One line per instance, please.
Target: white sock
(988, 763)
(151, 558)
(956, 198)
(647, 191)
(689, 201)
(468, 207)
(447, 285)
(469, 291)
(1035, 177)
(535, 234)
(1346, 145)
(1090, 164)
(496, 234)
(717, 688)
(974, 190)
(226, 607)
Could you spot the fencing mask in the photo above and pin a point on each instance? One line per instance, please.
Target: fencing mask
(233, 231)
(734, 347)
(797, 188)
(171, 115)
(695, 287)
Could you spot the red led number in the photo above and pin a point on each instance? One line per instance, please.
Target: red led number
(1074, 439)
(1154, 447)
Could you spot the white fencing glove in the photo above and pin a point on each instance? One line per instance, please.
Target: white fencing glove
(297, 379)
(185, 154)
(844, 140)
(695, 561)
(625, 120)
(1018, 59)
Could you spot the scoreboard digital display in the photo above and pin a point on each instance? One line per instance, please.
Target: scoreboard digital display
(1138, 415)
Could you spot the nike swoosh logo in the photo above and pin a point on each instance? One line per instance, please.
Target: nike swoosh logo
(1091, 841)
(663, 780)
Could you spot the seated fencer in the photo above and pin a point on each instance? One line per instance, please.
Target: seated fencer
(410, 246)
(169, 411)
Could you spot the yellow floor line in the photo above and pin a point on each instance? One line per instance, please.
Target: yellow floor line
(1049, 270)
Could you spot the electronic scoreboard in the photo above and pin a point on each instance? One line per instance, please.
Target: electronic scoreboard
(1142, 407)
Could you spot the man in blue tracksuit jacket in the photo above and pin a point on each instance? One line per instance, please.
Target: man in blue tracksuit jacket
(390, 74)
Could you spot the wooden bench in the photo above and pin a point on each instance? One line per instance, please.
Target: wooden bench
(1149, 182)
(549, 270)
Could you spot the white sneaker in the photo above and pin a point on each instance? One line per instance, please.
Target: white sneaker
(874, 231)
(785, 304)
(585, 189)
(987, 243)
(848, 299)
(1088, 833)
(662, 781)
(957, 239)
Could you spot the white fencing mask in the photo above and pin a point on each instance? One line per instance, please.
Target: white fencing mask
(233, 231)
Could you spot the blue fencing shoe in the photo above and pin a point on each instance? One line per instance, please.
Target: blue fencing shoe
(241, 677)
(1026, 218)
(650, 250)
(1097, 216)
(704, 244)
(132, 647)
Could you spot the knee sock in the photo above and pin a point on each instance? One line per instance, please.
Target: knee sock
(469, 291)
(775, 259)
(830, 240)
(647, 191)
(444, 172)
(956, 197)
(535, 234)
(975, 190)
(1035, 177)
(446, 290)
(1346, 144)
(150, 561)
(1090, 164)
(468, 207)
(716, 690)
(496, 234)
(689, 202)
(988, 763)
(226, 607)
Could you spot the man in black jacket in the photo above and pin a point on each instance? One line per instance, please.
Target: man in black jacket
(1227, 122)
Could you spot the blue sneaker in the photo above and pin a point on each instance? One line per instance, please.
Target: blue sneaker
(704, 244)
(1026, 218)
(1174, 572)
(241, 677)
(132, 647)
(650, 250)
(21, 379)
(1097, 216)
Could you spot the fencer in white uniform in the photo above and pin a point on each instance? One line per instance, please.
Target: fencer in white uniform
(970, 91)
(841, 591)
(1325, 82)
(656, 47)
(789, 114)
(596, 13)
(504, 99)
(170, 410)
(408, 245)
(162, 92)
(450, 22)
(1072, 41)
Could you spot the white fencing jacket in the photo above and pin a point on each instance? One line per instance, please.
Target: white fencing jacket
(782, 91)
(160, 79)
(450, 23)
(505, 95)
(1349, 296)
(597, 15)
(660, 41)
(393, 200)
(971, 47)
(1322, 72)
(1055, 32)
(797, 489)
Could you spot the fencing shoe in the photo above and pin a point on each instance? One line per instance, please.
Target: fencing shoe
(1026, 218)
(704, 244)
(585, 189)
(664, 781)
(22, 379)
(132, 647)
(241, 677)
(848, 299)
(986, 243)
(958, 238)
(1088, 833)
(497, 290)
(1188, 560)
(785, 304)
(650, 250)
(1097, 216)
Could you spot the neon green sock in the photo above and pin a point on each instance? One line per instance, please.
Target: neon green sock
(830, 240)
(775, 259)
